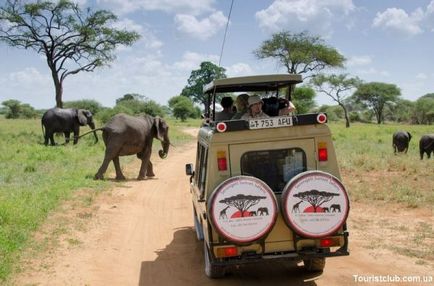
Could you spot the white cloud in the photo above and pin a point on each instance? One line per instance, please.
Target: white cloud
(239, 69)
(169, 6)
(421, 76)
(200, 29)
(374, 72)
(299, 14)
(28, 76)
(359, 61)
(398, 20)
(191, 61)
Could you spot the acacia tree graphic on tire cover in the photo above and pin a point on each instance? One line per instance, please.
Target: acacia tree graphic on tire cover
(315, 197)
(242, 202)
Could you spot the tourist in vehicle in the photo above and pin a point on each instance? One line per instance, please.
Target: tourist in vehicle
(242, 105)
(227, 113)
(255, 109)
(286, 107)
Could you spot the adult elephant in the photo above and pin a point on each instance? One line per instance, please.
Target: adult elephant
(66, 121)
(426, 145)
(401, 139)
(128, 135)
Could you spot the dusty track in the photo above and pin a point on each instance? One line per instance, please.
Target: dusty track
(141, 234)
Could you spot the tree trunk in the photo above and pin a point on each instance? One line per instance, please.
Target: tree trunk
(57, 86)
(59, 93)
(347, 119)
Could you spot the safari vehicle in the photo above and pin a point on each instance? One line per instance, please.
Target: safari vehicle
(266, 189)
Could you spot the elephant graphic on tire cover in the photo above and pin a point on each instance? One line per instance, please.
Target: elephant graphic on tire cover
(128, 135)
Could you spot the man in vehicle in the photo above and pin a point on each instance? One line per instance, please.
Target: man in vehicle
(227, 113)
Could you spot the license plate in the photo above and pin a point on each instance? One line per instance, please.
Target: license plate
(272, 122)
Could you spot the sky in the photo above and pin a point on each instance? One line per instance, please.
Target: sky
(389, 41)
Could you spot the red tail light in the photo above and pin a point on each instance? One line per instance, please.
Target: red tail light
(329, 242)
(227, 251)
(322, 152)
(222, 162)
(325, 242)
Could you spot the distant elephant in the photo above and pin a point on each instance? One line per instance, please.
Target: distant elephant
(128, 135)
(66, 121)
(401, 139)
(426, 145)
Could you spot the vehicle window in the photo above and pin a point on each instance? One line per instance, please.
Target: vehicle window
(202, 157)
(275, 167)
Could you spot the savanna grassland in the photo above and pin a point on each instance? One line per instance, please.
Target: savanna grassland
(35, 180)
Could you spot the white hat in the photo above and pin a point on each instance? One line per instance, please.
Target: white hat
(254, 99)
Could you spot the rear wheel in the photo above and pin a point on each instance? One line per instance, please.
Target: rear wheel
(314, 264)
(212, 270)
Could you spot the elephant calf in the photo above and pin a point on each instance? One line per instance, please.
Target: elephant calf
(426, 145)
(127, 135)
(401, 139)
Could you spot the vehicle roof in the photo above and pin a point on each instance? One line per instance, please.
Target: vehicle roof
(252, 83)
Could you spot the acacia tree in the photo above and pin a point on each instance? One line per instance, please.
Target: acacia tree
(200, 77)
(300, 53)
(242, 202)
(315, 198)
(72, 40)
(376, 95)
(336, 87)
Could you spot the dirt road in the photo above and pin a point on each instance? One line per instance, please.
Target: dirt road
(141, 234)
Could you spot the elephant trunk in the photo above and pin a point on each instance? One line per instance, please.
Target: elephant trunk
(165, 144)
(92, 126)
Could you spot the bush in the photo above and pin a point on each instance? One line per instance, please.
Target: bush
(15, 109)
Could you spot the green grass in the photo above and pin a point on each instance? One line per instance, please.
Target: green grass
(35, 179)
(372, 171)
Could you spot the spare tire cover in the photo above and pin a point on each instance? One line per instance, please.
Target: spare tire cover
(315, 204)
(243, 209)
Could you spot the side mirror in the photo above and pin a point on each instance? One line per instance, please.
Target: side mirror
(189, 170)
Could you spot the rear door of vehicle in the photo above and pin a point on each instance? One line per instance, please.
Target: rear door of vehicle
(274, 162)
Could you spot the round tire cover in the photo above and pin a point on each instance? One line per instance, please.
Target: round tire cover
(243, 209)
(315, 204)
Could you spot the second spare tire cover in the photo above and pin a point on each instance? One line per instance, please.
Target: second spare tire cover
(243, 209)
(315, 204)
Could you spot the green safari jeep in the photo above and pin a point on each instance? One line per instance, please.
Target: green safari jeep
(269, 188)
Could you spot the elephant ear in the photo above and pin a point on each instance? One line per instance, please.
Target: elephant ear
(161, 128)
(82, 119)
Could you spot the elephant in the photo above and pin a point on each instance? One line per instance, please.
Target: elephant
(401, 139)
(65, 121)
(128, 135)
(426, 145)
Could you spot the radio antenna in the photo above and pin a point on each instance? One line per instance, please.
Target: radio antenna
(226, 31)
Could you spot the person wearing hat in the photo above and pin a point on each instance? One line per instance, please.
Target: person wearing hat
(255, 108)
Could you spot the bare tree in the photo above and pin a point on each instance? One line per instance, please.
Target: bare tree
(73, 40)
